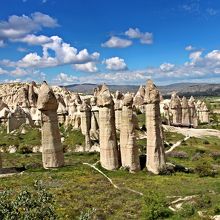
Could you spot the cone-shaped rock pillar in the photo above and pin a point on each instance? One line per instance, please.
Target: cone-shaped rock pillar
(192, 112)
(128, 147)
(176, 110)
(155, 145)
(52, 150)
(185, 112)
(109, 155)
(86, 123)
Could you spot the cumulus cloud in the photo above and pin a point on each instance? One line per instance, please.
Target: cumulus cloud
(195, 55)
(145, 38)
(116, 42)
(89, 67)
(198, 68)
(64, 54)
(19, 72)
(34, 40)
(64, 78)
(115, 63)
(166, 67)
(19, 26)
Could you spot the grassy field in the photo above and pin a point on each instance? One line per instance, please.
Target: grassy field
(80, 192)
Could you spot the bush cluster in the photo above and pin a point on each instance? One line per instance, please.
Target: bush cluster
(155, 206)
(28, 205)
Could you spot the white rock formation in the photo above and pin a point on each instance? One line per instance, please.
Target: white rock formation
(52, 152)
(155, 145)
(128, 146)
(109, 155)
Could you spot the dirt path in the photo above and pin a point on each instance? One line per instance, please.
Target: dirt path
(192, 132)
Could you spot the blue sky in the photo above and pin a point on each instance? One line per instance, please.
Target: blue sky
(116, 42)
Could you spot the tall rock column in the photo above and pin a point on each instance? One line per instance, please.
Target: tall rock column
(109, 155)
(192, 113)
(94, 131)
(128, 146)
(185, 112)
(204, 113)
(155, 145)
(86, 123)
(52, 150)
(166, 113)
(176, 110)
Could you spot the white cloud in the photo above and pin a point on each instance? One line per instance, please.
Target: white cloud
(64, 78)
(12, 80)
(199, 68)
(86, 67)
(195, 55)
(166, 67)
(2, 71)
(115, 63)
(189, 48)
(133, 33)
(116, 42)
(145, 38)
(19, 26)
(64, 54)
(19, 72)
(22, 49)
(34, 40)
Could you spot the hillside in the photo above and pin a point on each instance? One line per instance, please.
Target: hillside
(187, 89)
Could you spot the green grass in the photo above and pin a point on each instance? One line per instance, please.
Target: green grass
(77, 187)
(73, 138)
(141, 119)
(172, 137)
(32, 137)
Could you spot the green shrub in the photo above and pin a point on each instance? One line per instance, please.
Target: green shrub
(203, 201)
(155, 207)
(205, 142)
(204, 167)
(24, 149)
(217, 210)
(187, 210)
(74, 138)
(27, 205)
